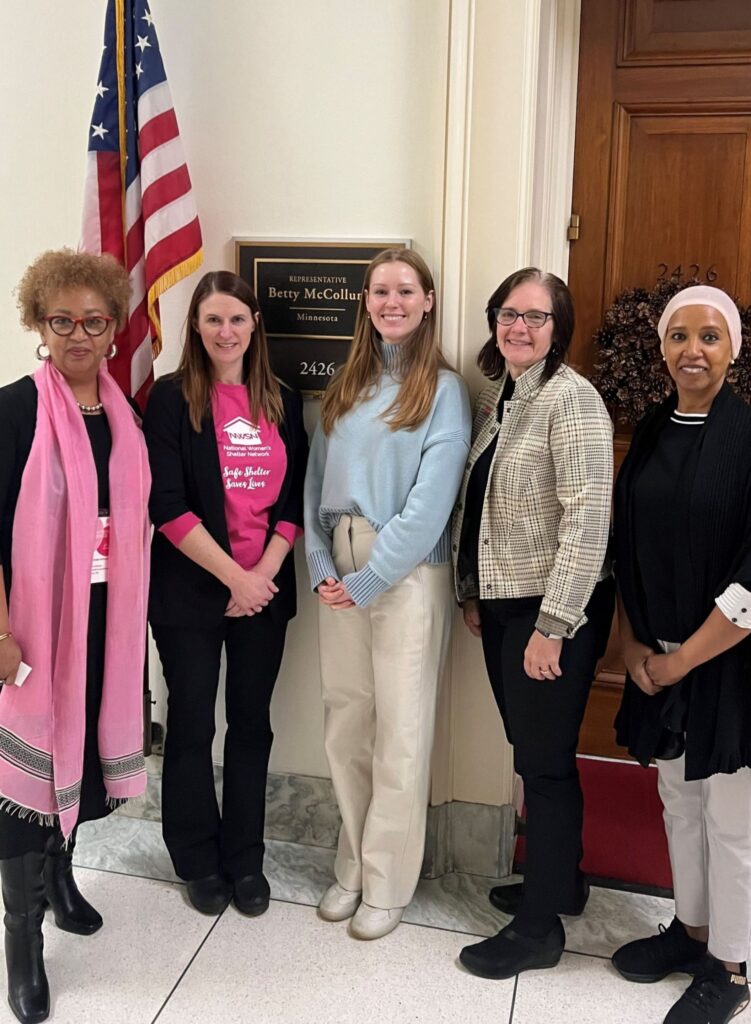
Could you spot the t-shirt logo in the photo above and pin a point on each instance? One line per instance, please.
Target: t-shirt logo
(243, 432)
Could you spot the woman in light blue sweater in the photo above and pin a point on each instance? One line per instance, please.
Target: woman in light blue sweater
(383, 475)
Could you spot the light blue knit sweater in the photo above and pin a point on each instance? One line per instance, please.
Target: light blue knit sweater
(403, 482)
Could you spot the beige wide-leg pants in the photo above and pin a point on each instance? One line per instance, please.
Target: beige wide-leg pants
(708, 825)
(380, 669)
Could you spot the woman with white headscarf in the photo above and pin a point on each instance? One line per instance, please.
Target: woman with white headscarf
(683, 566)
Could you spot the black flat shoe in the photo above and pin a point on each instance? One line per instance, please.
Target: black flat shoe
(508, 898)
(508, 953)
(210, 895)
(671, 951)
(252, 895)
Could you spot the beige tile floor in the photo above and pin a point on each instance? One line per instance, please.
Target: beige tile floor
(158, 960)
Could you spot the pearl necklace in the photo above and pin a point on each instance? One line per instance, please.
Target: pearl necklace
(90, 408)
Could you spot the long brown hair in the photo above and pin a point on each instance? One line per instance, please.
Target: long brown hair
(421, 358)
(196, 370)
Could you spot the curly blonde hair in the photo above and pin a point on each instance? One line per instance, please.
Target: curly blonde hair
(59, 269)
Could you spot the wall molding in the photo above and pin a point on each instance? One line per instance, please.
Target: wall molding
(458, 137)
(475, 839)
(530, 87)
(452, 289)
(555, 127)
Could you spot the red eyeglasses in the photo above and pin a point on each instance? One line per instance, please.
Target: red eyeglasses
(65, 325)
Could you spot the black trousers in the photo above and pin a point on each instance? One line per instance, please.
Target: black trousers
(542, 720)
(199, 840)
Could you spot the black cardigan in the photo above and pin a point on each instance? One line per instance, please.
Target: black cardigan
(712, 548)
(186, 477)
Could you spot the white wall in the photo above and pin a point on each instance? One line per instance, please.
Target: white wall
(47, 77)
(323, 120)
(317, 118)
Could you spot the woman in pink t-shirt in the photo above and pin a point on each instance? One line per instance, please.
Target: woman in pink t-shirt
(228, 452)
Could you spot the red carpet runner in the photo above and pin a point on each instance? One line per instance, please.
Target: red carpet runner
(624, 839)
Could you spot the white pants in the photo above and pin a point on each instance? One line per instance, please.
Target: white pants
(380, 669)
(708, 825)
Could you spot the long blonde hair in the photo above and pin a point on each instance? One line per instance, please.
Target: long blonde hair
(421, 358)
(195, 369)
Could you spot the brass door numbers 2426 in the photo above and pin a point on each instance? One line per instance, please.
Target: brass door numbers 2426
(693, 274)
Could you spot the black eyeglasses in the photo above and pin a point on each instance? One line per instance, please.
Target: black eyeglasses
(533, 318)
(65, 325)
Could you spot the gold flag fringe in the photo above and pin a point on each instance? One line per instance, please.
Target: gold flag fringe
(161, 285)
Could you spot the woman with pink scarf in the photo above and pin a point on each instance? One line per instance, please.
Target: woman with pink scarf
(73, 548)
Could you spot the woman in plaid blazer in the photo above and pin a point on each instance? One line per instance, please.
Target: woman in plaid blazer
(529, 543)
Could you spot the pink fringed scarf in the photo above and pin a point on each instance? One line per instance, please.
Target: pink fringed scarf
(42, 724)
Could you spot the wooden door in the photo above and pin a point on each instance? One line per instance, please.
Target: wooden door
(662, 182)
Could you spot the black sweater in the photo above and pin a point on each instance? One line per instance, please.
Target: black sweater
(711, 550)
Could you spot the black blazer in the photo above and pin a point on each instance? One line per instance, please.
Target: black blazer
(186, 477)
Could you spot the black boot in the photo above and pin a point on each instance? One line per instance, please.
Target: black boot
(23, 895)
(72, 912)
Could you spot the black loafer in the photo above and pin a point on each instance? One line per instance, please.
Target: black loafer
(210, 895)
(252, 895)
(508, 898)
(669, 952)
(508, 953)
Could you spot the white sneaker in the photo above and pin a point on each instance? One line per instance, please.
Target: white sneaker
(338, 903)
(372, 922)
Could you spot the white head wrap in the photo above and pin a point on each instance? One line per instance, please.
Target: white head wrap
(703, 295)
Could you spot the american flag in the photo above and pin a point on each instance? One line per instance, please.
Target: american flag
(138, 203)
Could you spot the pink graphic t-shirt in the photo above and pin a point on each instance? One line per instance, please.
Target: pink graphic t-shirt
(252, 461)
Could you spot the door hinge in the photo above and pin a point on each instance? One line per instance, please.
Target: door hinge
(573, 228)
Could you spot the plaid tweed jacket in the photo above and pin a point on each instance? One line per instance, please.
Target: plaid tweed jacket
(546, 515)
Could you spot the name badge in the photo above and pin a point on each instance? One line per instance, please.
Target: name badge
(100, 561)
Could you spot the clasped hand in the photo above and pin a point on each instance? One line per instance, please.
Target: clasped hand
(334, 594)
(650, 671)
(250, 592)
